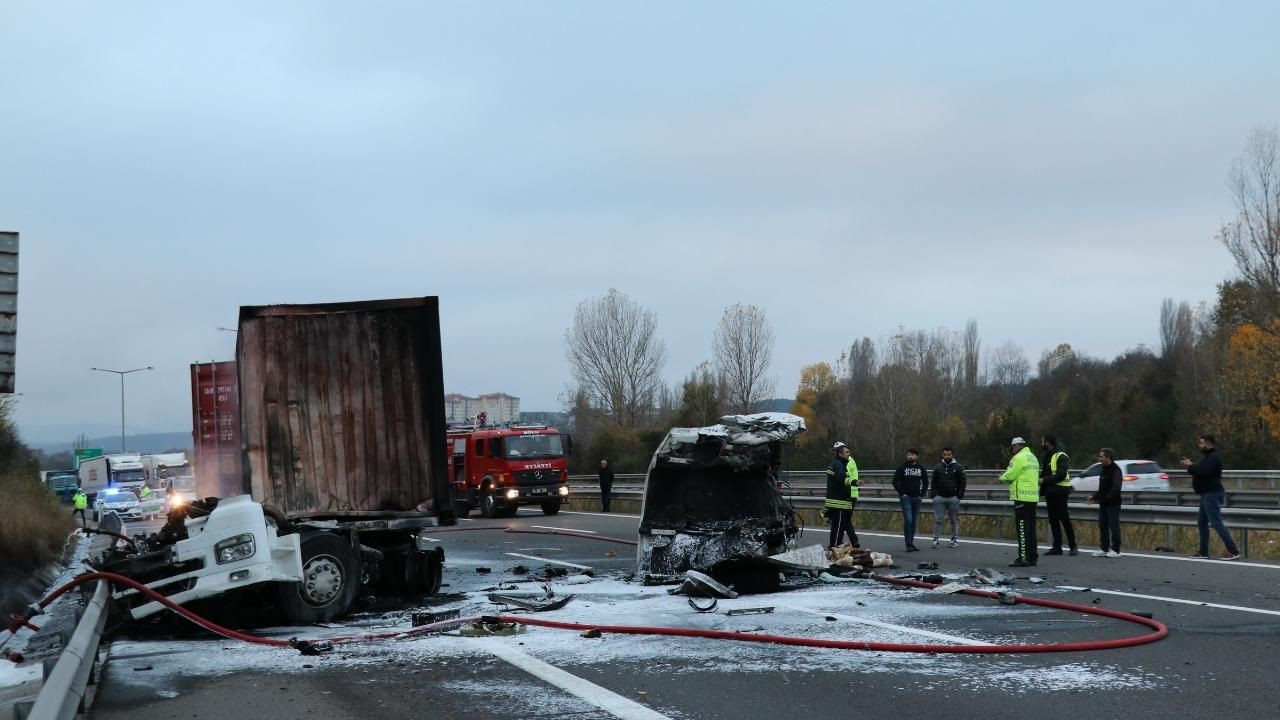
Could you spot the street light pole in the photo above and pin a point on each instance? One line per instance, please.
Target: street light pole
(122, 373)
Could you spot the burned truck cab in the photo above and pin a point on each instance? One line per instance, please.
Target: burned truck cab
(711, 503)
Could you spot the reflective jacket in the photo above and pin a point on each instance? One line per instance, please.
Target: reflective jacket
(851, 472)
(80, 500)
(838, 493)
(1023, 477)
(1054, 471)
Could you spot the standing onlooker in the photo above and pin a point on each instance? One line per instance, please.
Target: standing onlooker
(1055, 485)
(80, 503)
(839, 501)
(606, 484)
(1110, 480)
(947, 491)
(1023, 478)
(1206, 480)
(912, 482)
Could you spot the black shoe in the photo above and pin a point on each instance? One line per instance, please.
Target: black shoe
(1021, 563)
(1075, 552)
(1054, 551)
(912, 548)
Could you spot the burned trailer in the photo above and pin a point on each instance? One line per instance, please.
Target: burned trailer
(712, 504)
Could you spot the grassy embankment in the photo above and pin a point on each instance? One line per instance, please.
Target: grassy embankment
(33, 524)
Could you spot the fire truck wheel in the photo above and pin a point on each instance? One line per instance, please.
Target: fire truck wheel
(488, 504)
(330, 579)
(551, 507)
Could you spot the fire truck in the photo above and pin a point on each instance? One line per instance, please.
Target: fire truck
(500, 468)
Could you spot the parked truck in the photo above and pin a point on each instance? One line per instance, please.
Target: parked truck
(341, 413)
(498, 469)
(122, 471)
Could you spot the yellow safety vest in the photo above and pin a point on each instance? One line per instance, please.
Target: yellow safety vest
(1053, 468)
(81, 501)
(851, 470)
(1023, 477)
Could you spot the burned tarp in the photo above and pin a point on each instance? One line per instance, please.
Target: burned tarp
(711, 502)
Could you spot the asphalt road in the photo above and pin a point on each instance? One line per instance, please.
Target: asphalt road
(1223, 618)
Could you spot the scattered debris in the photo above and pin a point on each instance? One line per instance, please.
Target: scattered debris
(1007, 598)
(531, 603)
(829, 618)
(950, 588)
(310, 647)
(829, 578)
(990, 576)
(592, 633)
(709, 607)
(927, 566)
(13, 656)
(813, 557)
(520, 570)
(611, 553)
(143, 668)
(501, 586)
(1036, 579)
(749, 611)
(697, 584)
(491, 629)
(484, 570)
(849, 556)
(434, 616)
(1146, 615)
(307, 666)
(582, 579)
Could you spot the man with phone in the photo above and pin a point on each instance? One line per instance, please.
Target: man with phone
(1206, 480)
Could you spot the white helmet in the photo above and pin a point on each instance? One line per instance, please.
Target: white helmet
(838, 445)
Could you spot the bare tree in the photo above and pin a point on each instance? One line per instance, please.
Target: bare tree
(1253, 238)
(972, 354)
(743, 351)
(616, 356)
(1177, 330)
(1009, 365)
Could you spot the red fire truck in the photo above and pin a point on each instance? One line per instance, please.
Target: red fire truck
(500, 468)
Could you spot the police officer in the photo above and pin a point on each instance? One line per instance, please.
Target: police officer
(80, 503)
(1023, 478)
(851, 470)
(839, 501)
(1056, 488)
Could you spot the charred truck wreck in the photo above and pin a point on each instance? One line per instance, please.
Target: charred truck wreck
(712, 504)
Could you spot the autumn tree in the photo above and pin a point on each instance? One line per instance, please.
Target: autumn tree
(1253, 236)
(743, 351)
(616, 356)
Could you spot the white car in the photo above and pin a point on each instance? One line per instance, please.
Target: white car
(123, 502)
(1143, 475)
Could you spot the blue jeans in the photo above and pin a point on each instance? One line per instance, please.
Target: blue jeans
(910, 511)
(1211, 514)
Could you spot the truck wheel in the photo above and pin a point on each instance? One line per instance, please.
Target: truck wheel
(330, 579)
(551, 507)
(423, 572)
(488, 504)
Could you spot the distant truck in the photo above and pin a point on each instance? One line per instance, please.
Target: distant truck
(62, 483)
(498, 469)
(161, 466)
(342, 425)
(122, 471)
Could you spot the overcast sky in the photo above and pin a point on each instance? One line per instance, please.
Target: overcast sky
(850, 167)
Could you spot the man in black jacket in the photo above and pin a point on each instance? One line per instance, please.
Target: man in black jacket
(1055, 485)
(1107, 498)
(947, 490)
(606, 484)
(1206, 480)
(912, 482)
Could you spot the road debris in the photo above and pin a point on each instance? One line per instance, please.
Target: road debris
(593, 633)
(990, 576)
(530, 602)
(1035, 579)
(950, 588)
(813, 557)
(927, 566)
(520, 570)
(432, 617)
(310, 647)
(708, 608)
(1007, 598)
(749, 611)
(698, 584)
(486, 628)
(484, 570)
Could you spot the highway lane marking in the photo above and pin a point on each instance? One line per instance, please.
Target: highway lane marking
(1172, 600)
(564, 529)
(549, 560)
(890, 626)
(1089, 552)
(595, 514)
(605, 699)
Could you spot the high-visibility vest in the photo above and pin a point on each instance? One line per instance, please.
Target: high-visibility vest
(1053, 468)
(1023, 477)
(851, 472)
(81, 501)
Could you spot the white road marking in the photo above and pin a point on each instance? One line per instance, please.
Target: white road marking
(605, 699)
(466, 519)
(430, 539)
(535, 558)
(593, 514)
(889, 626)
(564, 529)
(1172, 600)
(1089, 552)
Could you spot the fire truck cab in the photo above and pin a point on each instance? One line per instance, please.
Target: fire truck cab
(500, 468)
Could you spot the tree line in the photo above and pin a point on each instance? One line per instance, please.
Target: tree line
(1217, 370)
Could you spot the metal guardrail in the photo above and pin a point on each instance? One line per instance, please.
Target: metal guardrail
(1237, 478)
(62, 695)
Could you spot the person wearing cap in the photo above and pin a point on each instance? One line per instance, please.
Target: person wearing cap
(1023, 478)
(839, 502)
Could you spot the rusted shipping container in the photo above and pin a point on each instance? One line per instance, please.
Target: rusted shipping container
(342, 408)
(215, 429)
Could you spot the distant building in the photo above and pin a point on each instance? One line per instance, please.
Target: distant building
(498, 408)
(558, 420)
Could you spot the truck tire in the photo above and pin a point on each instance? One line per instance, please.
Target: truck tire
(488, 503)
(550, 507)
(423, 572)
(330, 579)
